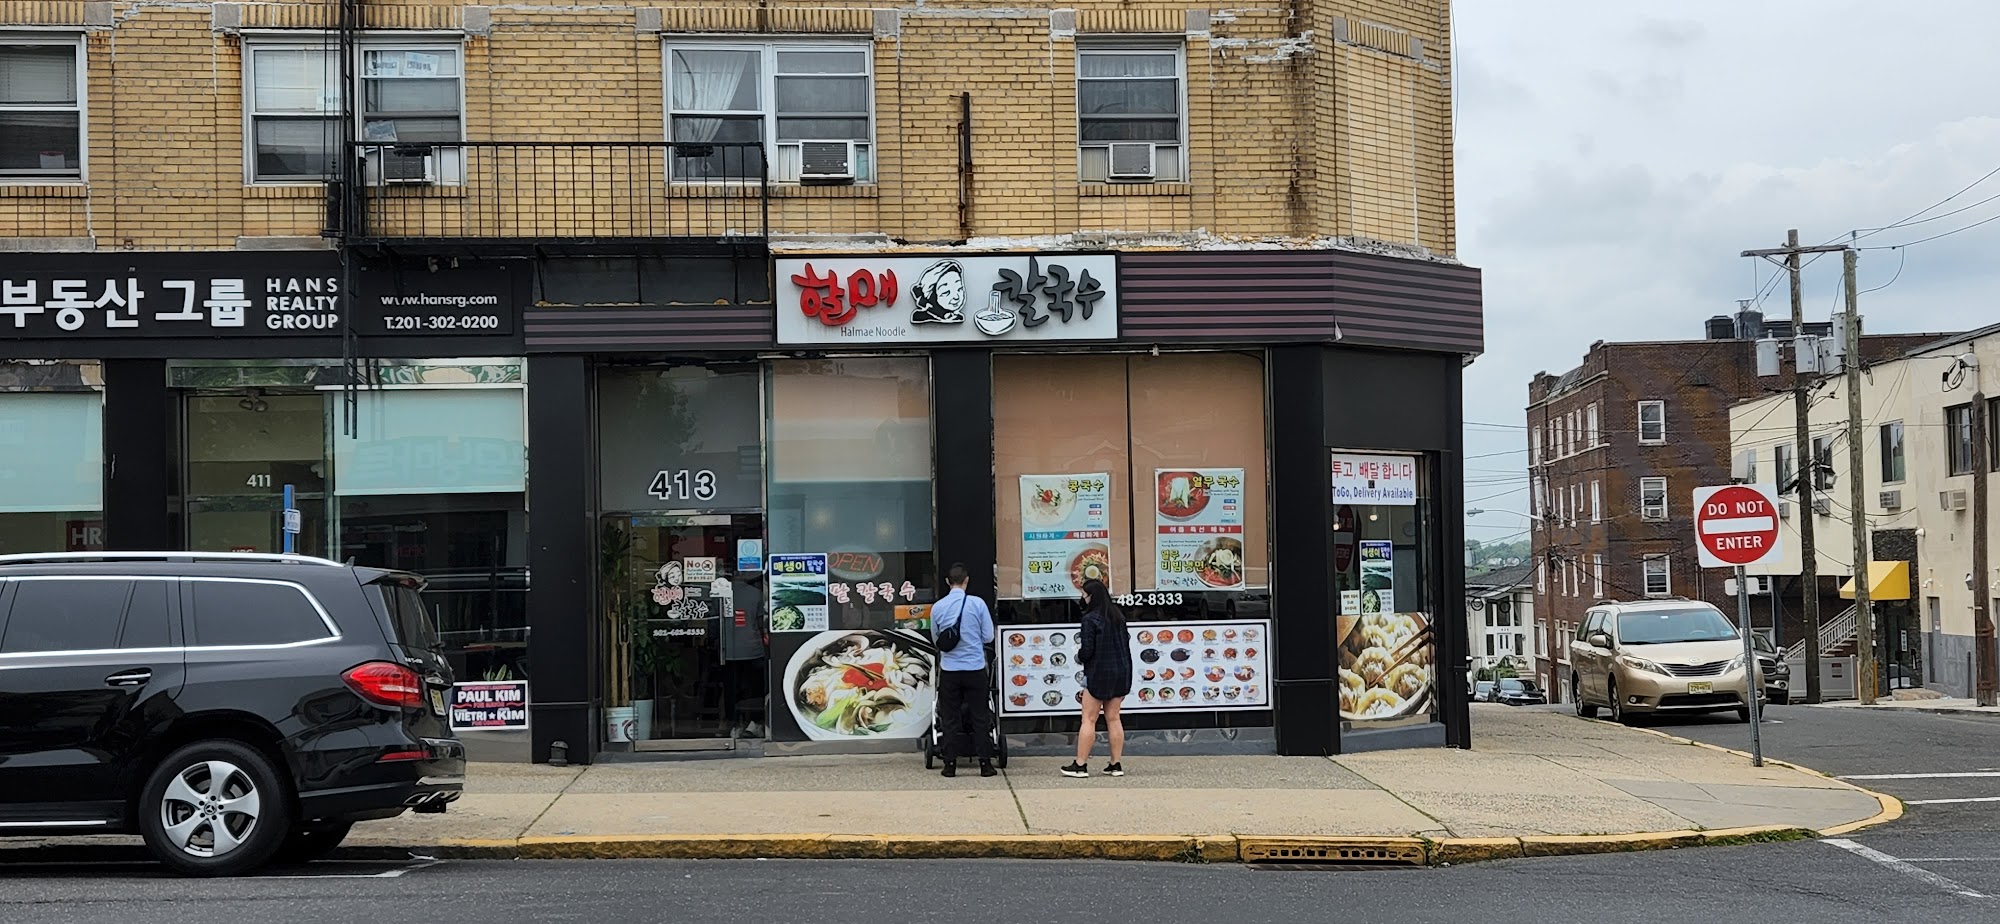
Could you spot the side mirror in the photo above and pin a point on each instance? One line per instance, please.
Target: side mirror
(1600, 640)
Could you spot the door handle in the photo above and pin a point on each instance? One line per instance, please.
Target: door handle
(131, 678)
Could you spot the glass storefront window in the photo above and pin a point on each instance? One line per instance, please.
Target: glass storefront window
(241, 451)
(51, 471)
(681, 487)
(850, 451)
(1181, 439)
(1384, 568)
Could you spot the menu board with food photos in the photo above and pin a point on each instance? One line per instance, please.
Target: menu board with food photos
(1199, 516)
(1065, 533)
(1176, 667)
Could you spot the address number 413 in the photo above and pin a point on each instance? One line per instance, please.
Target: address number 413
(682, 484)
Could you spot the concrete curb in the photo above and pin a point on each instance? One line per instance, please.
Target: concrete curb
(1988, 711)
(1216, 848)
(1892, 807)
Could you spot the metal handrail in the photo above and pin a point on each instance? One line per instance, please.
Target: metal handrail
(23, 558)
(1831, 633)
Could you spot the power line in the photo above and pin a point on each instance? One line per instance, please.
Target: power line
(1926, 240)
(1902, 256)
(1906, 219)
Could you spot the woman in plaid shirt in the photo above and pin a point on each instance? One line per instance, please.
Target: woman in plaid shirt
(1106, 657)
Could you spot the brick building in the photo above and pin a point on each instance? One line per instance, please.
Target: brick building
(826, 295)
(1616, 448)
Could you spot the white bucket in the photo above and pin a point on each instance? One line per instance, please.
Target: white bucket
(619, 723)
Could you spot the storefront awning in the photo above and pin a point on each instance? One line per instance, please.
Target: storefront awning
(1887, 580)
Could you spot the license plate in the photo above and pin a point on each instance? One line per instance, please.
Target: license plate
(437, 702)
(1701, 686)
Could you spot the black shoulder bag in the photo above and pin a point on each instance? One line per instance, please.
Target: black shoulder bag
(947, 637)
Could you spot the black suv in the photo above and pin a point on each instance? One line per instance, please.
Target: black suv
(229, 708)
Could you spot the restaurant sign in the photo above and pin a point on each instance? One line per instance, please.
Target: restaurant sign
(872, 299)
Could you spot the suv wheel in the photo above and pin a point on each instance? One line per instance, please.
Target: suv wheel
(304, 845)
(214, 808)
(1583, 708)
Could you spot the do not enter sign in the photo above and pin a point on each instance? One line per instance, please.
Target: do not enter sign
(1736, 525)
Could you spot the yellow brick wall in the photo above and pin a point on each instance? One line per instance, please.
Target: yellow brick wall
(1318, 118)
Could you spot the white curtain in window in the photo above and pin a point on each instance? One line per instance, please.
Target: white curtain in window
(37, 74)
(708, 81)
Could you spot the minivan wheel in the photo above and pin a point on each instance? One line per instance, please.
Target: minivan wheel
(1583, 709)
(304, 845)
(214, 808)
(1743, 714)
(1618, 713)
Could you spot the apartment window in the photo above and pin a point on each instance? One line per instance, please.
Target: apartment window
(293, 102)
(1786, 467)
(1892, 452)
(1590, 426)
(1657, 574)
(1575, 503)
(1128, 107)
(41, 108)
(1652, 498)
(1822, 462)
(1577, 443)
(1992, 431)
(1538, 501)
(1535, 446)
(1520, 644)
(1958, 438)
(1597, 576)
(1596, 501)
(1542, 577)
(410, 94)
(780, 96)
(1489, 646)
(1652, 422)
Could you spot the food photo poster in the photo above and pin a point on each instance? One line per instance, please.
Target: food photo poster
(1198, 515)
(1065, 533)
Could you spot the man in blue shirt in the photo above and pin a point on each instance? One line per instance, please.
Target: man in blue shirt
(962, 684)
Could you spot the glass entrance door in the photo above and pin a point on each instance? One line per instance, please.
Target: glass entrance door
(689, 654)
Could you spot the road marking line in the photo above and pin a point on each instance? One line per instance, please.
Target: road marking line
(1914, 872)
(388, 874)
(1950, 801)
(1923, 776)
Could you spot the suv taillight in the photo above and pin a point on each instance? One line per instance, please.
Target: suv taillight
(386, 684)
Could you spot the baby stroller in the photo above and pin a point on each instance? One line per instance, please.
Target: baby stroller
(933, 740)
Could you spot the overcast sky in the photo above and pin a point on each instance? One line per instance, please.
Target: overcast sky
(1614, 158)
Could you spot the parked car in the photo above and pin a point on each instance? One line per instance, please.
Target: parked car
(1659, 656)
(1514, 692)
(1482, 691)
(1777, 674)
(231, 709)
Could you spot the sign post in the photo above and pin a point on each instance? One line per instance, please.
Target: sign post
(291, 520)
(1735, 526)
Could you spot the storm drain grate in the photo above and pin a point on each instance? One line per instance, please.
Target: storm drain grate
(1334, 852)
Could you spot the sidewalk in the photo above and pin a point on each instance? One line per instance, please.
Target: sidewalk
(1536, 782)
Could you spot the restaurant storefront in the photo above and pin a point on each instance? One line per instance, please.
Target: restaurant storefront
(737, 501)
(773, 498)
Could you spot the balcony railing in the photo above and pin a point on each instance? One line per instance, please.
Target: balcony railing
(474, 193)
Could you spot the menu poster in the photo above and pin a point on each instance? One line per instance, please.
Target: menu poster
(1199, 516)
(1065, 533)
(1176, 667)
(798, 593)
(1378, 576)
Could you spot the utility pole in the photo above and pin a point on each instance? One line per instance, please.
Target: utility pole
(1987, 687)
(1808, 466)
(1864, 612)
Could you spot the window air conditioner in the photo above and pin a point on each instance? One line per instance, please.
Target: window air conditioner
(1784, 510)
(1131, 160)
(826, 161)
(1822, 505)
(1952, 500)
(1890, 500)
(400, 165)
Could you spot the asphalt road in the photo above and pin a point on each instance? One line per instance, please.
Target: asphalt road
(1941, 766)
(1807, 881)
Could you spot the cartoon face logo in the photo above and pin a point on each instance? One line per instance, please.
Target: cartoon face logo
(939, 294)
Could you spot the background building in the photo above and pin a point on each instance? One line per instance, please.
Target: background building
(1918, 464)
(717, 288)
(1616, 448)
